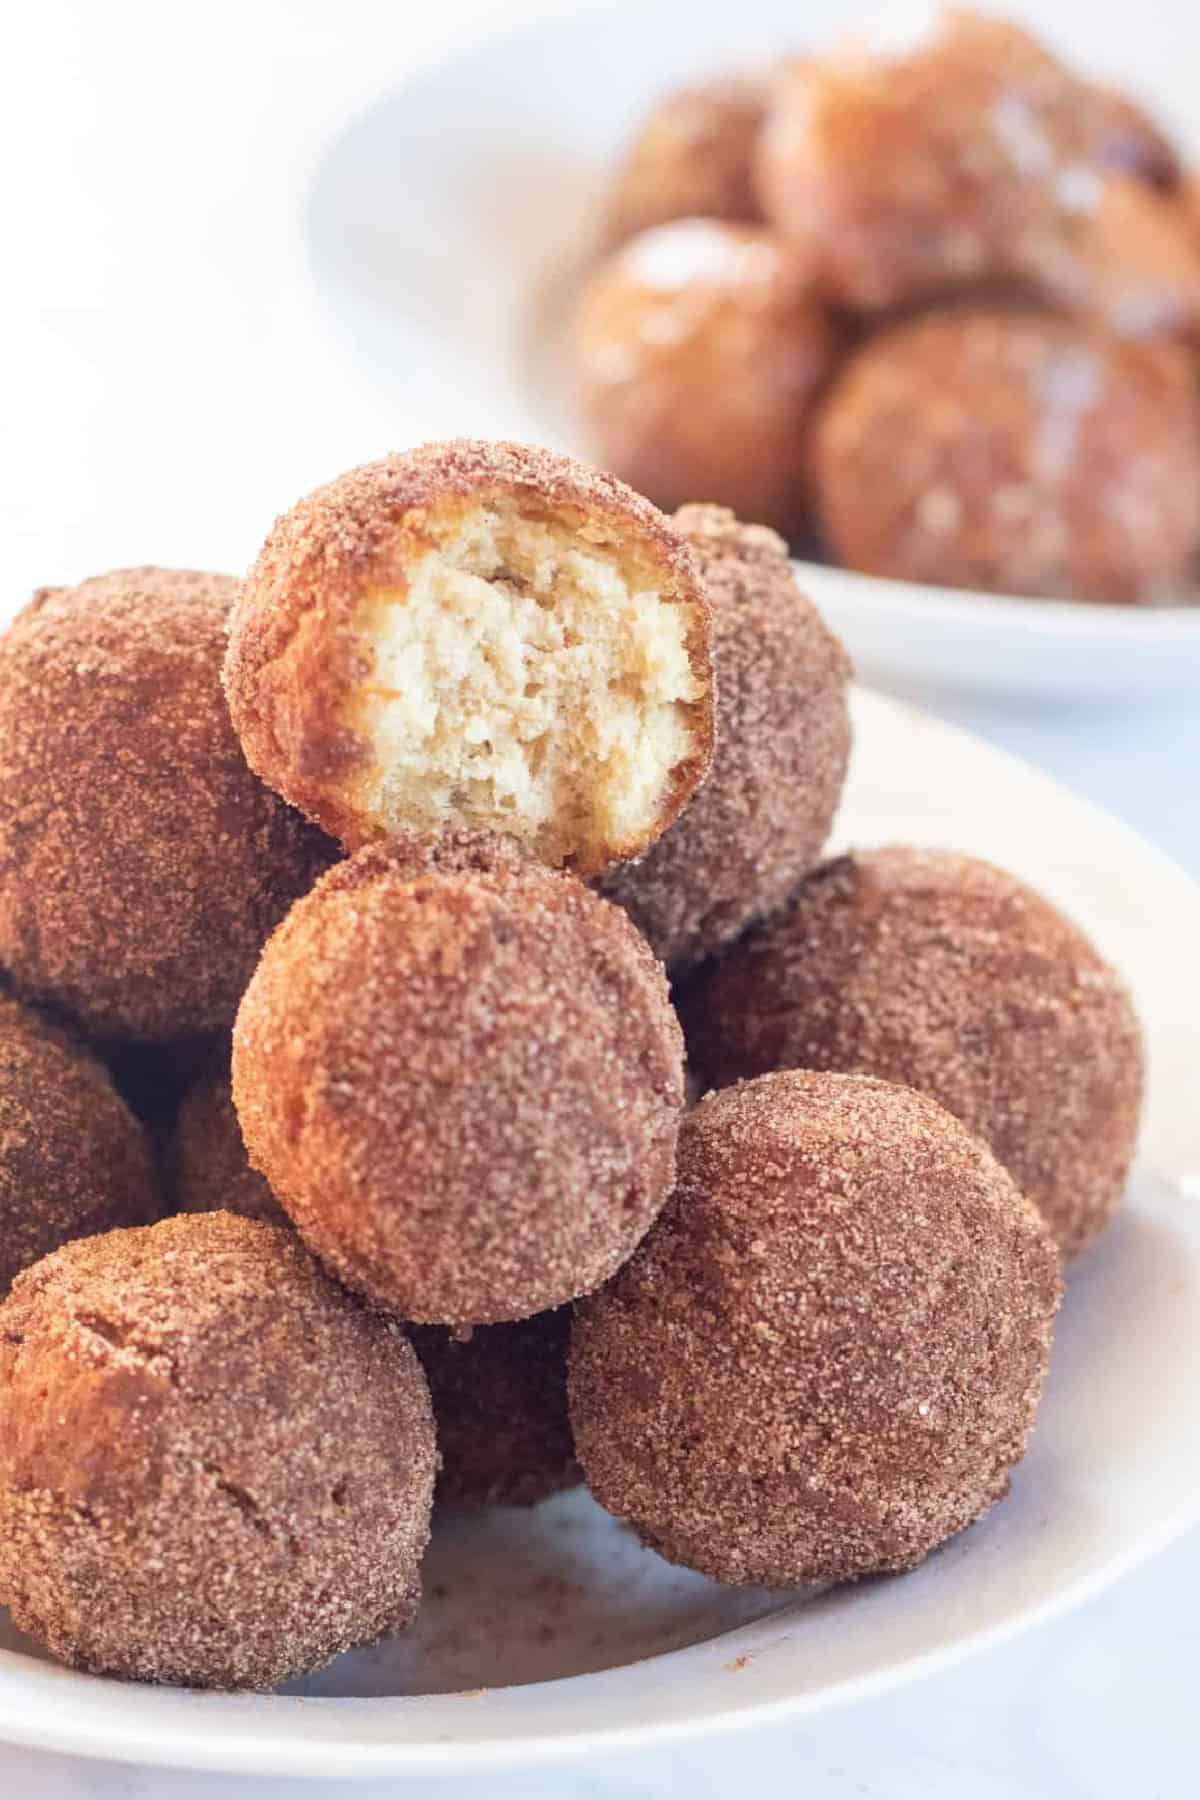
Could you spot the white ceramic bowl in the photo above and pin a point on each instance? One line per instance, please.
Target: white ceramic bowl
(557, 1637)
(458, 293)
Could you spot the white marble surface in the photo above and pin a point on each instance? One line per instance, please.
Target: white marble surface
(169, 380)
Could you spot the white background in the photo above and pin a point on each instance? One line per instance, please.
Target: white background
(169, 380)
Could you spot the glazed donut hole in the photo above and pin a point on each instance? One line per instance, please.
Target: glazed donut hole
(1015, 451)
(699, 348)
(691, 156)
(910, 168)
(481, 636)
(527, 678)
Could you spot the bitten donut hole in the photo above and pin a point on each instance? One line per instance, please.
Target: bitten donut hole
(532, 678)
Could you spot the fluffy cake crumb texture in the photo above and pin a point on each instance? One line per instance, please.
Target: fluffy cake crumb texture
(477, 635)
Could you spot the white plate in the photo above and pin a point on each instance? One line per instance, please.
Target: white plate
(562, 1601)
(447, 224)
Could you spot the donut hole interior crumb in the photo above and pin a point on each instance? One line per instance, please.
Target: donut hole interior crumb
(531, 677)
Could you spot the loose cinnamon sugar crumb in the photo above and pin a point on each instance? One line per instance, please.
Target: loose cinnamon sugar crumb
(216, 1468)
(827, 1355)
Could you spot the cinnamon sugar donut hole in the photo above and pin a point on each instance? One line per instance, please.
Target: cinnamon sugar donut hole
(73, 1159)
(783, 742)
(691, 157)
(209, 1168)
(699, 348)
(499, 1391)
(463, 1087)
(142, 864)
(827, 1355)
(933, 969)
(482, 635)
(500, 1402)
(216, 1467)
(1014, 451)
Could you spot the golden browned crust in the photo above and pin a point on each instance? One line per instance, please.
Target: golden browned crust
(1014, 451)
(464, 1088)
(691, 157)
(141, 863)
(783, 743)
(500, 1405)
(939, 971)
(828, 1353)
(73, 1159)
(216, 1468)
(296, 655)
(700, 348)
(207, 1162)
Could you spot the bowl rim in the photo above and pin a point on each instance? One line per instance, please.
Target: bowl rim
(685, 1694)
(1082, 620)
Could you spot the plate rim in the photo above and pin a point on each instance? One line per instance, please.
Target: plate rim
(42, 1721)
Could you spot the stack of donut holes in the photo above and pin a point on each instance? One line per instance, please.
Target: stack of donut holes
(925, 304)
(356, 923)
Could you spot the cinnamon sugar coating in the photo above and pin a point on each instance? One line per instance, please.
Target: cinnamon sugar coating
(1014, 451)
(500, 1402)
(691, 157)
(73, 1159)
(463, 1087)
(783, 743)
(499, 1391)
(827, 1355)
(700, 348)
(216, 1467)
(483, 635)
(209, 1168)
(141, 863)
(924, 967)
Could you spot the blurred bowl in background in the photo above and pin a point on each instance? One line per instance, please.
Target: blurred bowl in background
(911, 638)
(450, 258)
